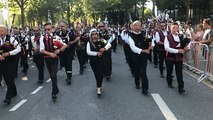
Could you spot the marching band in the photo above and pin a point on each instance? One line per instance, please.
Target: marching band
(159, 37)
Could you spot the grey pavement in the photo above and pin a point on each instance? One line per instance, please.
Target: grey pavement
(120, 100)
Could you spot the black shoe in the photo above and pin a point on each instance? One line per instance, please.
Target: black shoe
(170, 86)
(7, 101)
(145, 92)
(181, 91)
(133, 75)
(14, 95)
(81, 72)
(54, 97)
(16, 76)
(161, 75)
(137, 87)
(84, 66)
(61, 67)
(68, 80)
(24, 71)
(108, 78)
(40, 81)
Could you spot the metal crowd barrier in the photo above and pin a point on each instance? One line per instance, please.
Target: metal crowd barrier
(197, 59)
(210, 66)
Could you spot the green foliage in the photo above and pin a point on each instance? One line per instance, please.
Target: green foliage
(90, 10)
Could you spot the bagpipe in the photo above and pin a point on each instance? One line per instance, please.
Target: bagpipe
(57, 44)
(184, 42)
(83, 40)
(99, 44)
(6, 47)
(148, 40)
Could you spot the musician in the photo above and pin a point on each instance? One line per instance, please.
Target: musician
(38, 57)
(51, 45)
(104, 34)
(8, 48)
(141, 50)
(114, 31)
(160, 36)
(174, 56)
(67, 56)
(126, 33)
(96, 49)
(17, 36)
(0, 79)
(24, 51)
(80, 50)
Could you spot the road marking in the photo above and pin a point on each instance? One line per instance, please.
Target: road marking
(18, 105)
(48, 80)
(36, 90)
(163, 107)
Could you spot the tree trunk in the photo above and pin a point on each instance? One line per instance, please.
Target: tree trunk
(135, 10)
(62, 16)
(68, 14)
(22, 17)
(153, 9)
(143, 10)
(187, 9)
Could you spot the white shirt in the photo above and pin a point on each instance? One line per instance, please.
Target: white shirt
(125, 37)
(167, 46)
(188, 33)
(112, 38)
(94, 53)
(153, 40)
(14, 42)
(42, 46)
(157, 35)
(132, 45)
(26, 40)
(34, 44)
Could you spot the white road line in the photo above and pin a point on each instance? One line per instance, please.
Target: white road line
(36, 90)
(18, 105)
(48, 80)
(163, 107)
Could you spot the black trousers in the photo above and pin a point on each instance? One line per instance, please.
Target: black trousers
(155, 55)
(81, 58)
(108, 62)
(0, 77)
(97, 66)
(17, 57)
(66, 58)
(162, 56)
(24, 62)
(6, 69)
(52, 67)
(114, 45)
(38, 59)
(140, 64)
(128, 55)
(178, 70)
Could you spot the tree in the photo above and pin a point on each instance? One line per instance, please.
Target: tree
(22, 5)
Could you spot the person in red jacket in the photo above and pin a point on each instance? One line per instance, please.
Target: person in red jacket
(174, 56)
(51, 45)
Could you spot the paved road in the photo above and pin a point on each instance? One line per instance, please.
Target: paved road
(120, 101)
